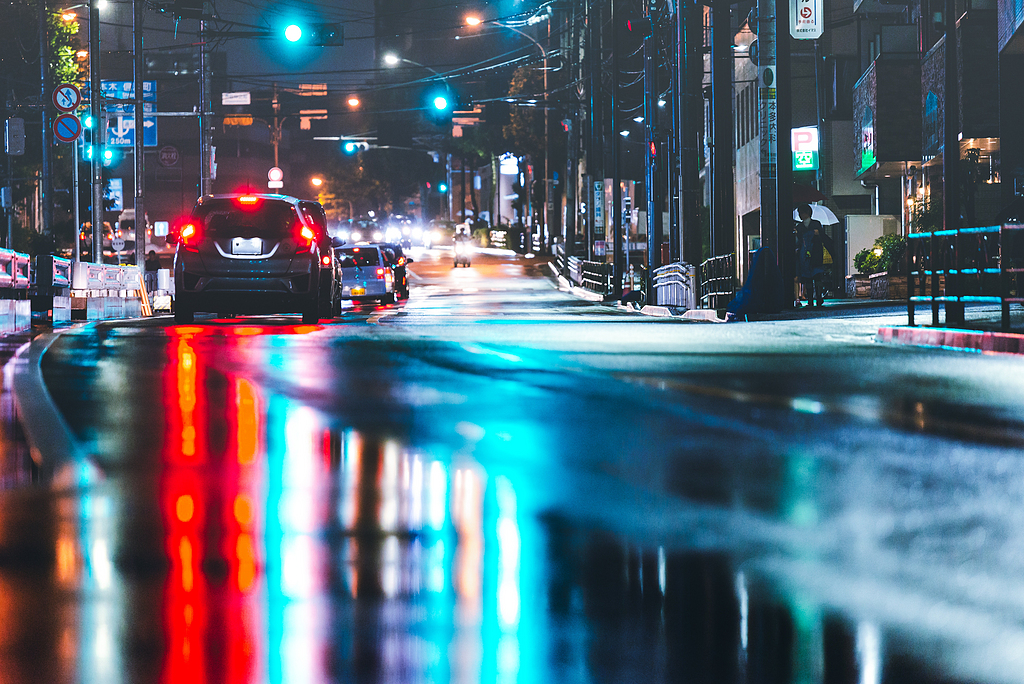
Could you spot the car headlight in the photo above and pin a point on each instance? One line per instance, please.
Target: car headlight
(356, 237)
(377, 237)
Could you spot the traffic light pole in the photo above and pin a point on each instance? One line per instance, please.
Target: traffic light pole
(615, 220)
(651, 170)
(99, 131)
(205, 148)
(46, 178)
(138, 14)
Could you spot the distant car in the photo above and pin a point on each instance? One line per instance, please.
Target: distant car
(254, 253)
(365, 273)
(397, 258)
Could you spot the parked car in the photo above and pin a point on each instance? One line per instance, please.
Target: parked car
(254, 253)
(397, 259)
(365, 273)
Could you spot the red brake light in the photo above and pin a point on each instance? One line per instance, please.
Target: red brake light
(248, 199)
(380, 274)
(190, 236)
(326, 260)
(401, 261)
(307, 234)
(305, 239)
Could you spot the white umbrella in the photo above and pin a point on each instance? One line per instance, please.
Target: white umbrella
(821, 213)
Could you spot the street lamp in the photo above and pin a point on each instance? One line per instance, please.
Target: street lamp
(473, 20)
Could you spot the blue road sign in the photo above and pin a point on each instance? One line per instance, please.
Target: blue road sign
(121, 127)
(67, 128)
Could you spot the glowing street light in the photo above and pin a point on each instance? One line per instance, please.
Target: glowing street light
(353, 101)
(293, 33)
(316, 182)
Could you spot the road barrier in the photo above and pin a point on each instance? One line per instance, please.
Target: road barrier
(596, 276)
(966, 265)
(105, 291)
(51, 288)
(15, 278)
(717, 282)
(676, 285)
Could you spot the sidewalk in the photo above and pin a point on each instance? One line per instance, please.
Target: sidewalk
(980, 333)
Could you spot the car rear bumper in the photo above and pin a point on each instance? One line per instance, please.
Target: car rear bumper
(364, 290)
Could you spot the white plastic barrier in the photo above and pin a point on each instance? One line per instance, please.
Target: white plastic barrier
(105, 291)
(15, 307)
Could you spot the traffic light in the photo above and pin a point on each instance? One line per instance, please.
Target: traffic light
(440, 103)
(322, 35)
(353, 146)
(442, 188)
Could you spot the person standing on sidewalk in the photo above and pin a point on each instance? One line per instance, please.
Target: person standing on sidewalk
(810, 269)
(152, 266)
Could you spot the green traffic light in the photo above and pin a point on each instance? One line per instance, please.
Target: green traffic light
(441, 103)
(442, 188)
(293, 33)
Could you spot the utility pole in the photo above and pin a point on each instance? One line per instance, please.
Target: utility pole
(691, 125)
(138, 17)
(594, 191)
(572, 157)
(205, 149)
(723, 207)
(951, 156)
(616, 217)
(651, 170)
(99, 131)
(46, 179)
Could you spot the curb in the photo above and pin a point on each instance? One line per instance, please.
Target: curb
(951, 338)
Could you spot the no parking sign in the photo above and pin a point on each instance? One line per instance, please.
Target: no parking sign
(67, 128)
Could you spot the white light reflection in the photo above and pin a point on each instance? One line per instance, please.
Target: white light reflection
(297, 509)
(389, 484)
(435, 567)
(869, 653)
(744, 598)
(437, 496)
(661, 569)
(298, 560)
(99, 564)
(390, 571)
(508, 557)
(352, 459)
(416, 494)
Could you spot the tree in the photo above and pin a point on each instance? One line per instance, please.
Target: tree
(524, 133)
(377, 179)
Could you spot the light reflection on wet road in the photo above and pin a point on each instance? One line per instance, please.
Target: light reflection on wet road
(494, 482)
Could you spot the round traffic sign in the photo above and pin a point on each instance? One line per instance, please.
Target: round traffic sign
(67, 128)
(275, 174)
(117, 243)
(67, 97)
(168, 156)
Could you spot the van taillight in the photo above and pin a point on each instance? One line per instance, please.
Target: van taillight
(380, 274)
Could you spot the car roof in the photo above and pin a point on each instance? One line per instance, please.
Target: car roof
(261, 195)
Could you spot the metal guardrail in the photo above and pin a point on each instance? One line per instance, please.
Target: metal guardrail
(676, 285)
(88, 276)
(717, 281)
(596, 276)
(966, 265)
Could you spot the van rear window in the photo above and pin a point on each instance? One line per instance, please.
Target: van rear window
(270, 219)
(360, 256)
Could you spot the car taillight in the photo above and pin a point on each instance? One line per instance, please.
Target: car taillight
(306, 236)
(326, 260)
(401, 261)
(190, 237)
(380, 273)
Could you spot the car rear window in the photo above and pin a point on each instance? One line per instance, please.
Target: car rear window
(224, 218)
(360, 256)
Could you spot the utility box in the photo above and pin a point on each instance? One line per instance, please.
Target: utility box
(861, 233)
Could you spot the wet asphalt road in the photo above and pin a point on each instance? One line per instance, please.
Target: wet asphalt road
(497, 482)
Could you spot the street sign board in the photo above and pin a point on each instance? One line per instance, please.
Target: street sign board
(806, 19)
(67, 97)
(121, 132)
(67, 127)
(115, 194)
(243, 97)
(117, 243)
(14, 136)
(805, 148)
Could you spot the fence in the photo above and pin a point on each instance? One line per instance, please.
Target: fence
(966, 265)
(51, 288)
(717, 282)
(675, 285)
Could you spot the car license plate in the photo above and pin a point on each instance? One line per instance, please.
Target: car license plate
(356, 291)
(247, 246)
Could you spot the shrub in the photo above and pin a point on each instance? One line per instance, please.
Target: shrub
(887, 254)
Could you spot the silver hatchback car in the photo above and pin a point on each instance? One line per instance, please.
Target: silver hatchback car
(254, 253)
